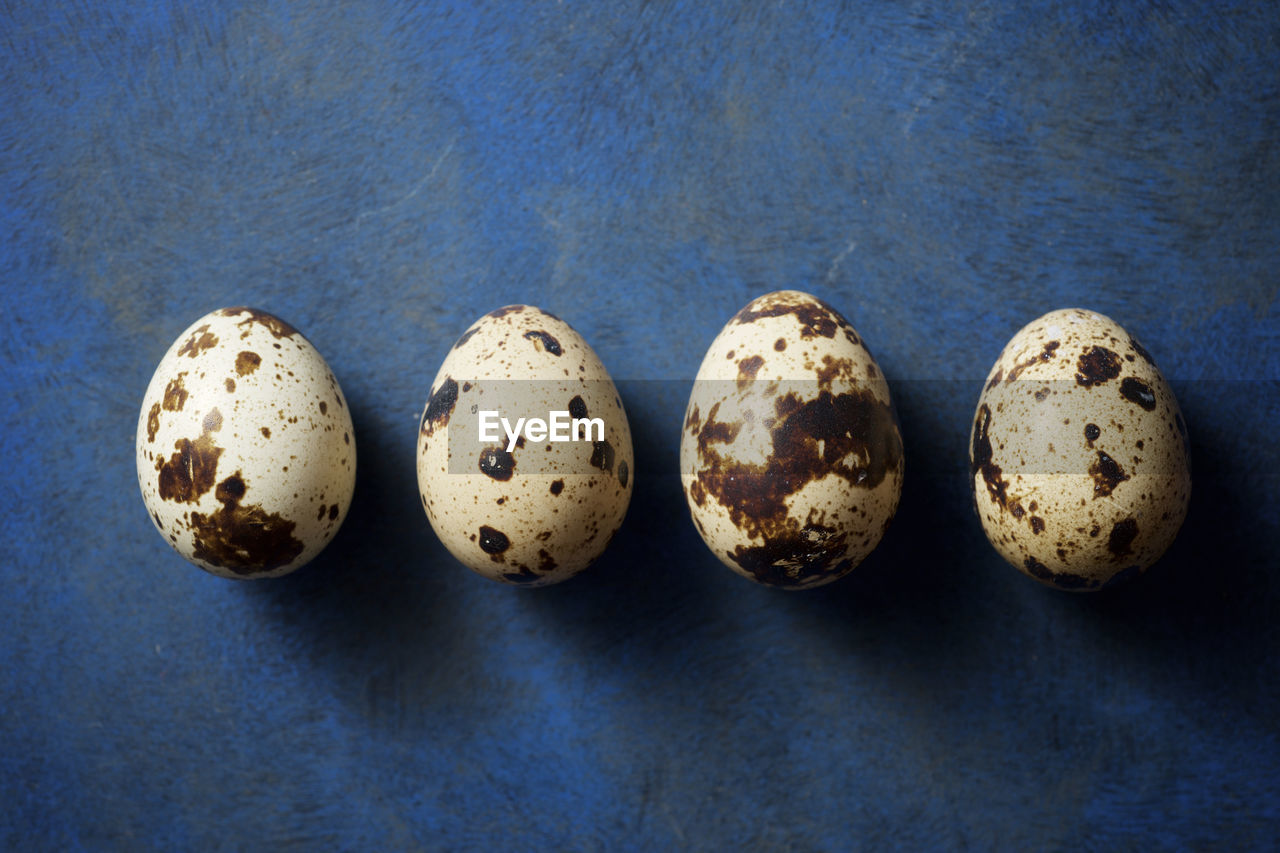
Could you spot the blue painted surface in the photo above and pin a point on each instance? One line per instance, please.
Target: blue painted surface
(380, 175)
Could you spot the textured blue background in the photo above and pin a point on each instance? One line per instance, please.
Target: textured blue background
(380, 176)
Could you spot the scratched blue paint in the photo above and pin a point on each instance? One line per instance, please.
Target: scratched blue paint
(380, 174)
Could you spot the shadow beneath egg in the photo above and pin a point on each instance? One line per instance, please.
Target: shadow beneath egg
(1201, 625)
(918, 589)
(651, 589)
(933, 611)
(373, 610)
(1209, 604)
(936, 600)
(659, 591)
(408, 637)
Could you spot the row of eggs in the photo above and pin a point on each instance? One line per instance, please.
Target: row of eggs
(791, 456)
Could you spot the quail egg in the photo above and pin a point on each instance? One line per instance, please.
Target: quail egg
(1079, 454)
(525, 464)
(245, 452)
(790, 457)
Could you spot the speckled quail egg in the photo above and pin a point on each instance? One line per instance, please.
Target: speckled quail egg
(525, 464)
(1079, 454)
(790, 457)
(246, 455)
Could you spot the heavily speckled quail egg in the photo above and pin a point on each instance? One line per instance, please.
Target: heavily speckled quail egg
(790, 457)
(1079, 454)
(524, 506)
(246, 455)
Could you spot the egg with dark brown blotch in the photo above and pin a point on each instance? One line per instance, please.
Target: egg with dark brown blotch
(525, 465)
(790, 457)
(1079, 456)
(246, 456)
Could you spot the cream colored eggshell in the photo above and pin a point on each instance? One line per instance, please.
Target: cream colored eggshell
(790, 457)
(245, 452)
(1079, 454)
(550, 510)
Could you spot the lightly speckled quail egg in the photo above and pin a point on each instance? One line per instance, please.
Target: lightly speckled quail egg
(246, 455)
(1079, 456)
(530, 509)
(791, 458)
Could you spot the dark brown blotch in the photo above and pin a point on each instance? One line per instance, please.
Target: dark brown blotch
(247, 362)
(1120, 542)
(981, 459)
(693, 421)
(832, 369)
(602, 455)
(715, 432)
(1096, 366)
(439, 407)
(466, 336)
(798, 556)
(1045, 354)
(273, 324)
(577, 408)
(810, 440)
(780, 344)
(1142, 351)
(175, 395)
(748, 368)
(497, 463)
(817, 319)
(201, 339)
(557, 487)
(493, 542)
(1091, 433)
(1136, 391)
(153, 422)
(1062, 580)
(542, 340)
(231, 489)
(191, 471)
(1037, 569)
(624, 473)
(243, 539)
(1107, 474)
